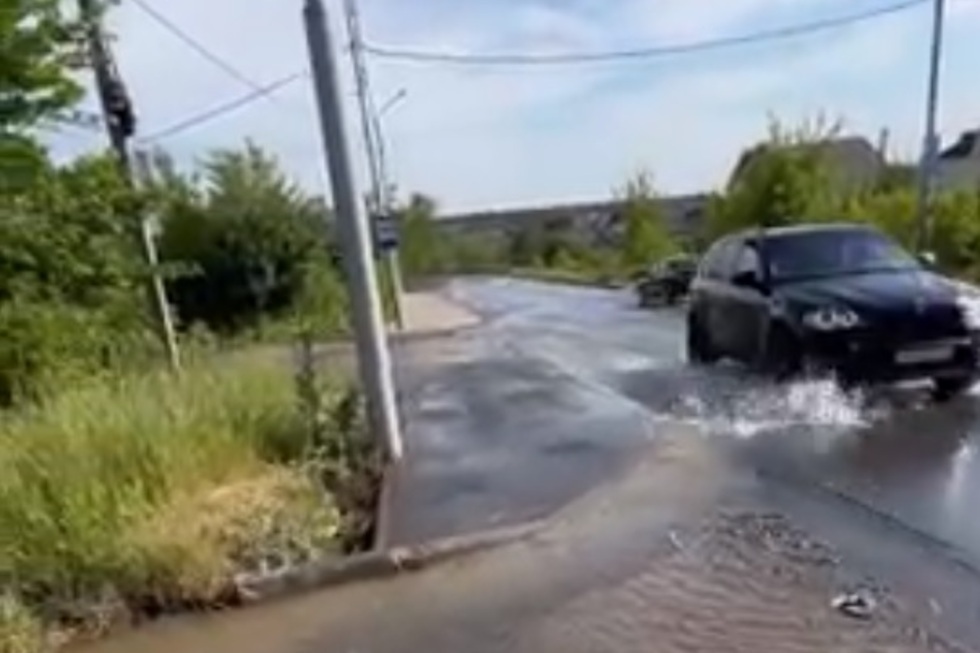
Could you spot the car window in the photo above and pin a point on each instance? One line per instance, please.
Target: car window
(834, 252)
(746, 260)
(716, 262)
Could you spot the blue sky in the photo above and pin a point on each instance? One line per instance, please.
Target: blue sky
(478, 138)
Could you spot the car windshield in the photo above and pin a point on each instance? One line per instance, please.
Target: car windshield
(833, 253)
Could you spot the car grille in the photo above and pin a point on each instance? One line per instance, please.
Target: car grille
(910, 326)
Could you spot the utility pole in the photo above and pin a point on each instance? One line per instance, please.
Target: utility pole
(148, 228)
(930, 147)
(117, 109)
(374, 359)
(370, 126)
(120, 124)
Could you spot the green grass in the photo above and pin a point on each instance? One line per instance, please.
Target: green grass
(147, 493)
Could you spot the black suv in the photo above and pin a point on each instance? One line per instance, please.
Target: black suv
(666, 282)
(837, 297)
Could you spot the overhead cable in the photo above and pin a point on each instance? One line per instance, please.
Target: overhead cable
(651, 52)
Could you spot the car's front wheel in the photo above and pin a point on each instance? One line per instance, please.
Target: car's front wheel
(700, 350)
(947, 388)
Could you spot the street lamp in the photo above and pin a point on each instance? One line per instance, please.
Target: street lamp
(381, 146)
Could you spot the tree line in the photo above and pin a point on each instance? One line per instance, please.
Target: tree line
(790, 178)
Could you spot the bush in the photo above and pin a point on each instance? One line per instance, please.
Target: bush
(246, 245)
(71, 284)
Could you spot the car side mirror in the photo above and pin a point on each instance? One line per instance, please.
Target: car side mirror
(748, 279)
(928, 259)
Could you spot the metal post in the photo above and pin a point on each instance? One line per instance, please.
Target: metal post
(930, 146)
(167, 332)
(372, 138)
(120, 123)
(392, 259)
(373, 357)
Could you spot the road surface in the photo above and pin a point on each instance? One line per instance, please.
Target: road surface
(892, 451)
(560, 390)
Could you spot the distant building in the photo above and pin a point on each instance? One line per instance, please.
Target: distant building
(853, 162)
(596, 223)
(958, 167)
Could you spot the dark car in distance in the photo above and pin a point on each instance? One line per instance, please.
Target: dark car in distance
(667, 282)
(837, 297)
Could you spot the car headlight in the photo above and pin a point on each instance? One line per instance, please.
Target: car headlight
(970, 310)
(831, 318)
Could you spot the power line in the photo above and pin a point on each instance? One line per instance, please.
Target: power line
(827, 24)
(196, 45)
(222, 109)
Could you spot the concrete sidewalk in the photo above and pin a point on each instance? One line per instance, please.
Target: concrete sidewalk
(432, 312)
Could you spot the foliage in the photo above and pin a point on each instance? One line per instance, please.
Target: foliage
(786, 181)
(249, 243)
(71, 284)
(37, 45)
(424, 249)
(646, 237)
(782, 181)
(150, 492)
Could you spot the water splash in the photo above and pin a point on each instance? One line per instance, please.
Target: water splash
(747, 413)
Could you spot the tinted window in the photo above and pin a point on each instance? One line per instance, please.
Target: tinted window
(746, 261)
(833, 252)
(716, 262)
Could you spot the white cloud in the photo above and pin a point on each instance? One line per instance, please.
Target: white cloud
(492, 137)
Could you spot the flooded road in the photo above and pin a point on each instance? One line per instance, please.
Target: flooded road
(542, 406)
(891, 450)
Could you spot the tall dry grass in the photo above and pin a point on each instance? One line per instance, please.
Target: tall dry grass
(147, 493)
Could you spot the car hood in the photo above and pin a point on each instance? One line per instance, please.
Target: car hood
(878, 291)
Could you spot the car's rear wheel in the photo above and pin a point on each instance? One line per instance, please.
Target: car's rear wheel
(947, 388)
(700, 350)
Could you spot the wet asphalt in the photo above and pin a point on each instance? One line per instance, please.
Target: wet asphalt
(890, 451)
(542, 406)
(561, 385)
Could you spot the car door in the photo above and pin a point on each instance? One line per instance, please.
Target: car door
(747, 304)
(709, 292)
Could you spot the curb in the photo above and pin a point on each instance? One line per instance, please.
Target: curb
(330, 572)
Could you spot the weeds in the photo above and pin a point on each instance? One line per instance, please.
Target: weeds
(128, 497)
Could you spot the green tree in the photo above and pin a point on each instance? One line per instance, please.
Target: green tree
(71, 282)
(782, 181)
(246, 238)
(645, 236)
(424, 248)
(38, 44)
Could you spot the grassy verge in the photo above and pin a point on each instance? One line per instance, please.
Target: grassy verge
(130, 497)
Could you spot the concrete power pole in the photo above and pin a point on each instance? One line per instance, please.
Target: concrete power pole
(930, 146)
(117, 109)
(370, 126)
(373, 357)
(120, 124)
